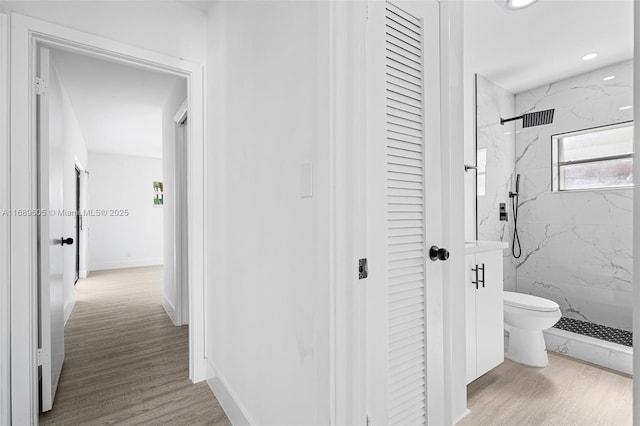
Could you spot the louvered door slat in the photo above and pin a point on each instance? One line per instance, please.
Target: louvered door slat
(405, 225)
(395, 23)
(418, 276)
(409, 18)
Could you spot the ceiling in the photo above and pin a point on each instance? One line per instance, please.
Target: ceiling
(118, 107)
(520, 50)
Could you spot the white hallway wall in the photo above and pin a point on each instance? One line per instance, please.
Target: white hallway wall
(166, 27)
(268, 299)
(122, 182)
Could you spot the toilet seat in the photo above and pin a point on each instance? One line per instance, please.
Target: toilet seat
(529, 302)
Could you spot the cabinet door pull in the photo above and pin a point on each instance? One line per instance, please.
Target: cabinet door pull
(482, 281)
(476, 281)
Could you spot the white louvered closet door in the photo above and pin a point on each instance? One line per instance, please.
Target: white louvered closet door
(403, 207)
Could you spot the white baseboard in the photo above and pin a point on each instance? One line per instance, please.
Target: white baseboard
(596, 351)
(82, 274)
(170, 309)
(232, 406)
(462, 416)
(119, 264)
(68, 308)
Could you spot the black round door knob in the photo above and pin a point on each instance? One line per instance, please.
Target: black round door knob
(436, 253)
(64, 241)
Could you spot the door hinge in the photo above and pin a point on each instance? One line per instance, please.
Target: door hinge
(41, 356)
(368, 421)
(363, 268)
(41, 86)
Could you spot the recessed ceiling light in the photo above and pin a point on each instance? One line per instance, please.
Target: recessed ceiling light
(625, 107)
(589, 56)
(610, 77)
(519, 4)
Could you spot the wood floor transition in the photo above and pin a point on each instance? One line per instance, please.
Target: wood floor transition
(125, 362)
(567, 392)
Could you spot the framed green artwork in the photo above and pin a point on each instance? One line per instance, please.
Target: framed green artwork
(158, 194)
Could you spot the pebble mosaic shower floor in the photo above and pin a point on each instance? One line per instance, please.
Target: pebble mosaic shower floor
(610, 334)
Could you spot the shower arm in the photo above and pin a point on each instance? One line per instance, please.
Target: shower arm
(506, 120)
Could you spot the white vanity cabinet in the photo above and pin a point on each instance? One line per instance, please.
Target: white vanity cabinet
(484, 307)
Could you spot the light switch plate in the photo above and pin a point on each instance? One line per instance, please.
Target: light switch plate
(306, 180)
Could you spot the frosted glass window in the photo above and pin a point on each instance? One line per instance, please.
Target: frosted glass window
(593, 158)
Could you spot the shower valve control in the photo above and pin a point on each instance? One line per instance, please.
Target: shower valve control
(503, 212)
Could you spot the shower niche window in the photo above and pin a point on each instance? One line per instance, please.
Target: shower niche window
(595, 158)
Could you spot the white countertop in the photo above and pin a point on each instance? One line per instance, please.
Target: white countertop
(471, 247)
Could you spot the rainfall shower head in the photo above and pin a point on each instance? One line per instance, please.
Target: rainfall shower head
(531, 119)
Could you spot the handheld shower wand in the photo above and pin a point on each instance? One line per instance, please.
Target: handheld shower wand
(515, 194)
(515, 243)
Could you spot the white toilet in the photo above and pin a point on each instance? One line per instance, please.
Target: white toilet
(526, 316)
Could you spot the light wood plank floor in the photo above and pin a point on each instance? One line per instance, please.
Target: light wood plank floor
(566, 392)
(126, 363)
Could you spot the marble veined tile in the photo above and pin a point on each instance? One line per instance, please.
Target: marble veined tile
(598, 256)
(577, 246)
(581, 102)
(600, 306)
(538, 204)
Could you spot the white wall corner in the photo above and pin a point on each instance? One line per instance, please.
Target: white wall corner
(234, 409)
(461, 416)
(170, 309)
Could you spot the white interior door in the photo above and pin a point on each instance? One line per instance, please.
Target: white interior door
(50, 236)
(404, 217)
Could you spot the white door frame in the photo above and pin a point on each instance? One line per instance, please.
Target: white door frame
(5, 306)
(636, 219)
(25, 34)
(84, 240)
(181, 307)
(446, 391)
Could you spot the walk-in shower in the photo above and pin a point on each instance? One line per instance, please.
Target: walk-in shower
(529, 119)
(545, 151)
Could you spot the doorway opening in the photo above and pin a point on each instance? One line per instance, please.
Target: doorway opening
(123, 130)
(27, 35)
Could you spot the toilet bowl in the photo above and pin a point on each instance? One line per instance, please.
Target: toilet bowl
(526, 316)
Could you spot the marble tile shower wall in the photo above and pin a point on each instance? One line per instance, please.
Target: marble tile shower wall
(498, 141)
(576, 246)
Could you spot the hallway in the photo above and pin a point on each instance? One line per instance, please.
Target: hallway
(125, 362)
